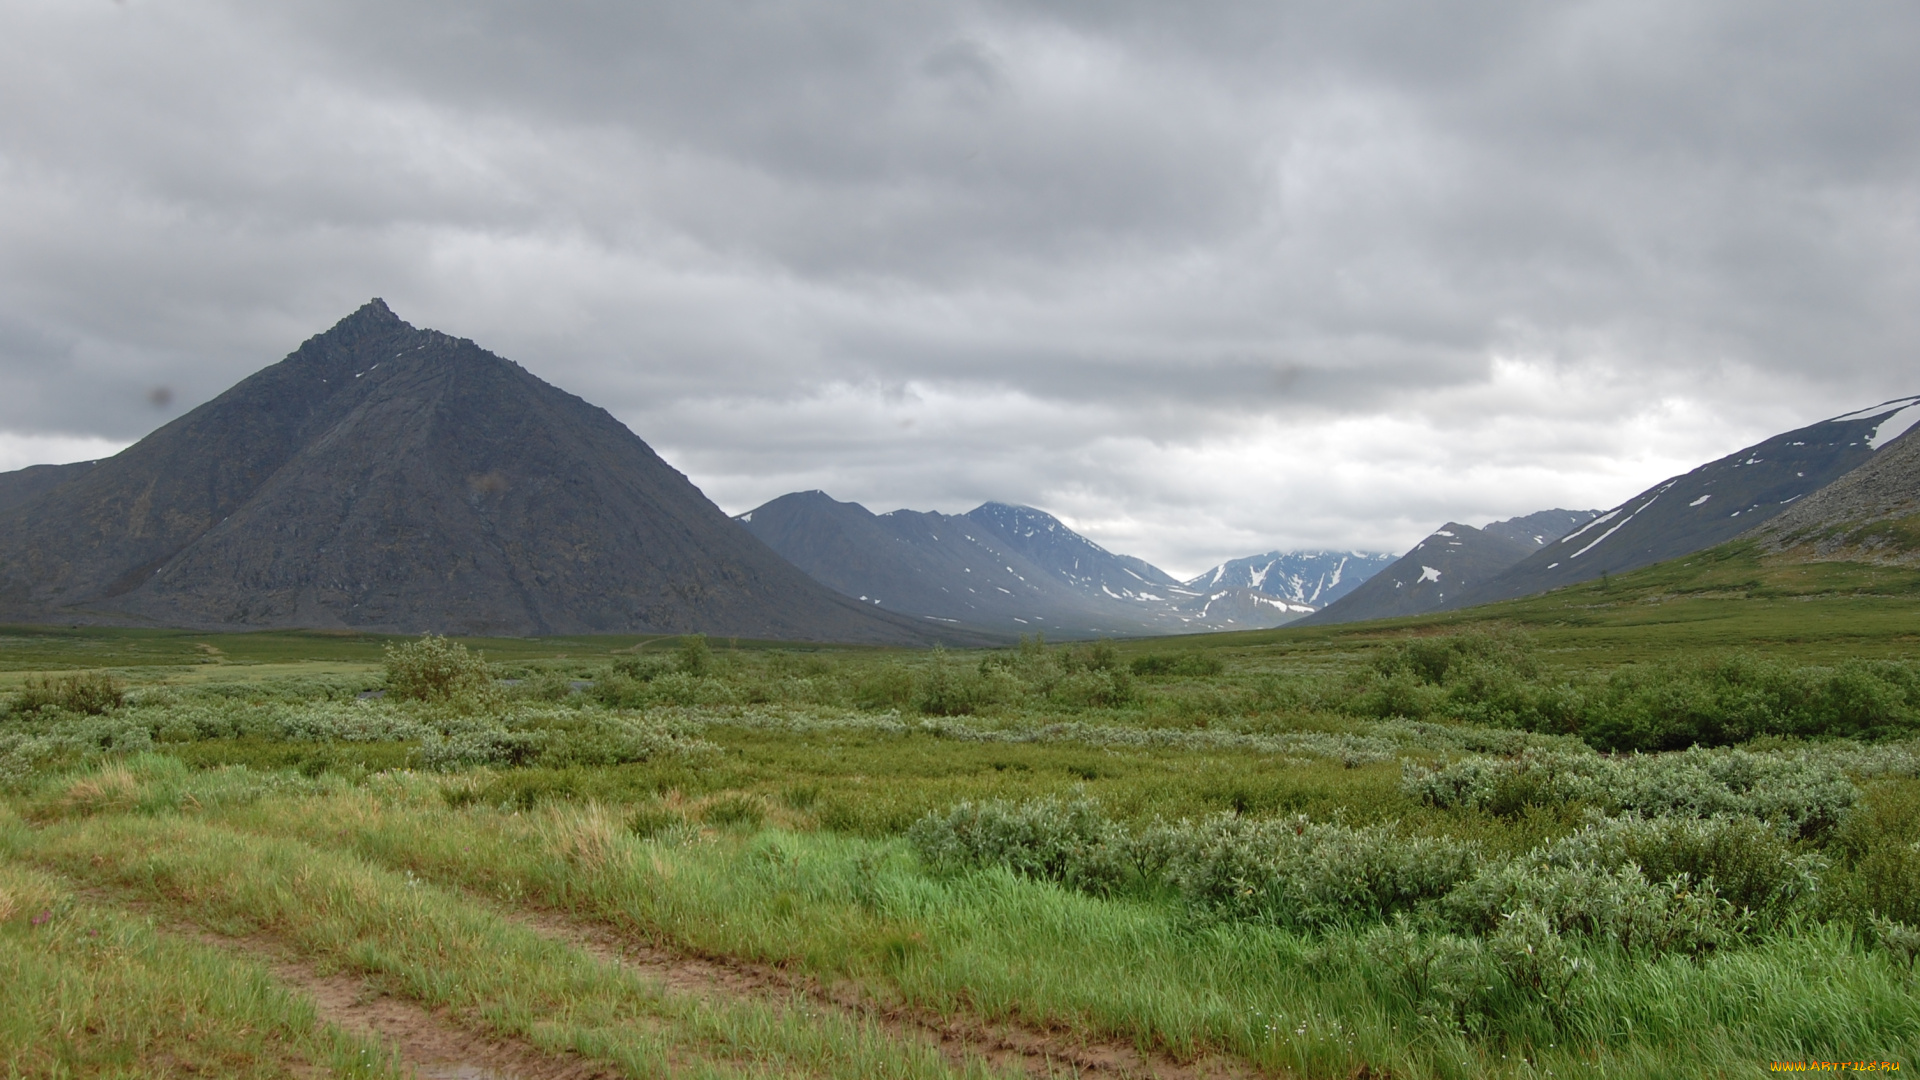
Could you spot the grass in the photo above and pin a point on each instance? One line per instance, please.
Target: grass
(89, 991)
(754, 804)
(441, 949)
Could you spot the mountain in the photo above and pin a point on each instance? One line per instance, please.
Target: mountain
(921, 564)
(1306, 578)
(1710, 505)
(1870, 515)
(998, 567)
(1447, 564)
(1538, 530)
(399, 479)
(1070, 558)
(23, 485)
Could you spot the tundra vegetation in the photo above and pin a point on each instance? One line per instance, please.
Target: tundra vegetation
(1624, 833)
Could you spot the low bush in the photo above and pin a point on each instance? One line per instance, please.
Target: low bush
(92, 693)
(1067, 841)
(1492, 677)
(1651, 885)
(946, 687)
(1620, 906)
(435, 669)
(1195, 664)
(1798, 792)
(1746, 861)
(1297, 873)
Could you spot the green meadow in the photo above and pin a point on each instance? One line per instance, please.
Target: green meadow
(1665, 824)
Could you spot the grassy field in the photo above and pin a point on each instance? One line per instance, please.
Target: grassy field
(1663, 825)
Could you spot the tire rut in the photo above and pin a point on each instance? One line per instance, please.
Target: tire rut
(964, 1040)
(430, 1043)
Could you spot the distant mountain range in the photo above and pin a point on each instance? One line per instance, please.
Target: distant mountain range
(1707, 506)
(1000, 568)
(399, 479)
(391, 478)
(1450, 563)
(1460, 567)
(1310, 579)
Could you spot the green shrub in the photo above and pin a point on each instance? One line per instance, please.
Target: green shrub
(554, 739)
(1721, 701)
(945, 687)
(1066, 841)
(887, 686)
(1510, 786)
(435, 669)
(1491, 677)
(1094, 687)
(1194, 664)
(1878, 847)
(92, 693)
(1620, 906)
(1293, 872)
(1741, 858)
(1799, 793)
(693, 656)
(1899, 940)
(1442, 978)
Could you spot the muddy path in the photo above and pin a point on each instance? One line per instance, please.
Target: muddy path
(430, 1043)
(964, 1040)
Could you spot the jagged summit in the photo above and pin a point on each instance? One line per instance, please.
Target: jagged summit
(389, 477)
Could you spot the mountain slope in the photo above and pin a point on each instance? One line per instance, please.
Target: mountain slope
(393, 478)
(1452, 561)
(24, 485)
(1306, 578)
(999, 567)
(1455, 558)
(1068, 557)
(1711, 504)
(920, 564)
(1540, 529)
(1870, 515)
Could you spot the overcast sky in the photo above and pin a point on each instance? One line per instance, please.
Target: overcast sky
(1204, 279)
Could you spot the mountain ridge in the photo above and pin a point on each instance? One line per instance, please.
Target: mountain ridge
(1307, 578)
(1000, 567)
(1689, 512)
(387, 477)
(1452, 559)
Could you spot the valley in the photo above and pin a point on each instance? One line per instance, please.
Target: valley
(625, 855)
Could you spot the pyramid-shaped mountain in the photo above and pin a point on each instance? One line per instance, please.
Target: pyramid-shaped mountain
(1708, 506)
(391, 478)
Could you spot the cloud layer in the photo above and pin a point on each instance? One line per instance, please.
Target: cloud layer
(1204, 279)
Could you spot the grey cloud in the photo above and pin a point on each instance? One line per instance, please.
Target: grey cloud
(1213, 274)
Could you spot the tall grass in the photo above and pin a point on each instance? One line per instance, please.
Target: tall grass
(444, 951)
(990, 941)
(85, 991)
